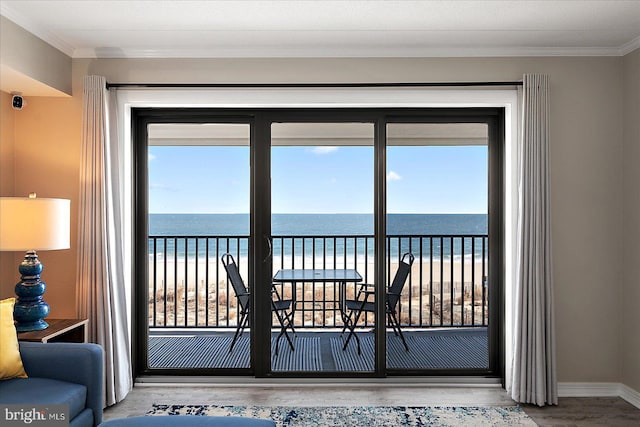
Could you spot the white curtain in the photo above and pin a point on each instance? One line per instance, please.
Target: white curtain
(101, 285)
(534, 364)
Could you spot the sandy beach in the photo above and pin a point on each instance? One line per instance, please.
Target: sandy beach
(184, 289)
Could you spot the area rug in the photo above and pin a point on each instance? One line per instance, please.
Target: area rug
(368, 416)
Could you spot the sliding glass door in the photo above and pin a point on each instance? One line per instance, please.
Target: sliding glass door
(198, 221)
(322, 222)
(319, 242)
(437, 240)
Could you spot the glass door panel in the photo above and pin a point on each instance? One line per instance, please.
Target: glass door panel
(322, 180)
(437, 211)
(198, 189)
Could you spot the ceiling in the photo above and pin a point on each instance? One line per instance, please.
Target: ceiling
(344, 28)
(319, 134)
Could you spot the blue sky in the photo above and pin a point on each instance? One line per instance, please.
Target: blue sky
(430, 179)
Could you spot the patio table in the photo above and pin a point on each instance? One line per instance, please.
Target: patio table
(341, 276)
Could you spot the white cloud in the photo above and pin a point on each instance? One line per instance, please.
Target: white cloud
(151, 157)
(393, 176)
(324, 150)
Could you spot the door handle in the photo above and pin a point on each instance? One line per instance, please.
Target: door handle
(270, 249)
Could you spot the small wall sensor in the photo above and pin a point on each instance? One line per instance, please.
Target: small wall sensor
(17, 101)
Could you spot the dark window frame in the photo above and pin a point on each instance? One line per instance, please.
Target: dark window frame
(260, 120)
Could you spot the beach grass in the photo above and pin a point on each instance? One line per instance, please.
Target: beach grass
(199, 295)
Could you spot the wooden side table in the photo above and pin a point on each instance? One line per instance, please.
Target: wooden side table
(59, 330)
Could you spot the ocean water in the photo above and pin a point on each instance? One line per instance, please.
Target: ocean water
(350, 234)
(317, 224)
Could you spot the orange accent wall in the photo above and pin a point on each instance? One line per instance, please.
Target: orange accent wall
(8, 261)
(46, 153)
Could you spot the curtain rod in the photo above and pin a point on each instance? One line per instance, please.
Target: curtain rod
(308, 85)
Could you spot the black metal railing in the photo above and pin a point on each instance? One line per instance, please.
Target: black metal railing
(447, 286)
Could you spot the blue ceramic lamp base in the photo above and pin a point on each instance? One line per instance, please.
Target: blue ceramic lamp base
(30, 309)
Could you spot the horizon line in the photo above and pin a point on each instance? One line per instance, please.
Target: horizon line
(319, 213)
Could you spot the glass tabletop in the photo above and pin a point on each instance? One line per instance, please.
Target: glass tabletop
(317, 275)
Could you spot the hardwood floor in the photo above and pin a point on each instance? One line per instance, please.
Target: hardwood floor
(586, 411)
(570, 412)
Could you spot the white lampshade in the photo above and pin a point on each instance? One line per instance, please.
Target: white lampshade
(33, 223)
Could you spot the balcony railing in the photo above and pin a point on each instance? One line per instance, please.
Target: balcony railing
(447, 286)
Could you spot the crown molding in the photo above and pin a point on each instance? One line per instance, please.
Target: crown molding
(372, 52)
(35, 29)
(630, 46)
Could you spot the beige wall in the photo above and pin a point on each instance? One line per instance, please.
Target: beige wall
(586, 173)
(630, 289)
(24, 56)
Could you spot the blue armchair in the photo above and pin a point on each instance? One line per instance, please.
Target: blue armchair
(60, 373)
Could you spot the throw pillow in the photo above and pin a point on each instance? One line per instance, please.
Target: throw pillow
(10, 360)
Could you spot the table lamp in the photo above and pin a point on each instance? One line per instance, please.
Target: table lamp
(30, 224)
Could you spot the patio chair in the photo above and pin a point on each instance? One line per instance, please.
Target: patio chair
(279, 306)
(362, 304)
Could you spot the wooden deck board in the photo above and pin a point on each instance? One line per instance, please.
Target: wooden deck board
(322, 351)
